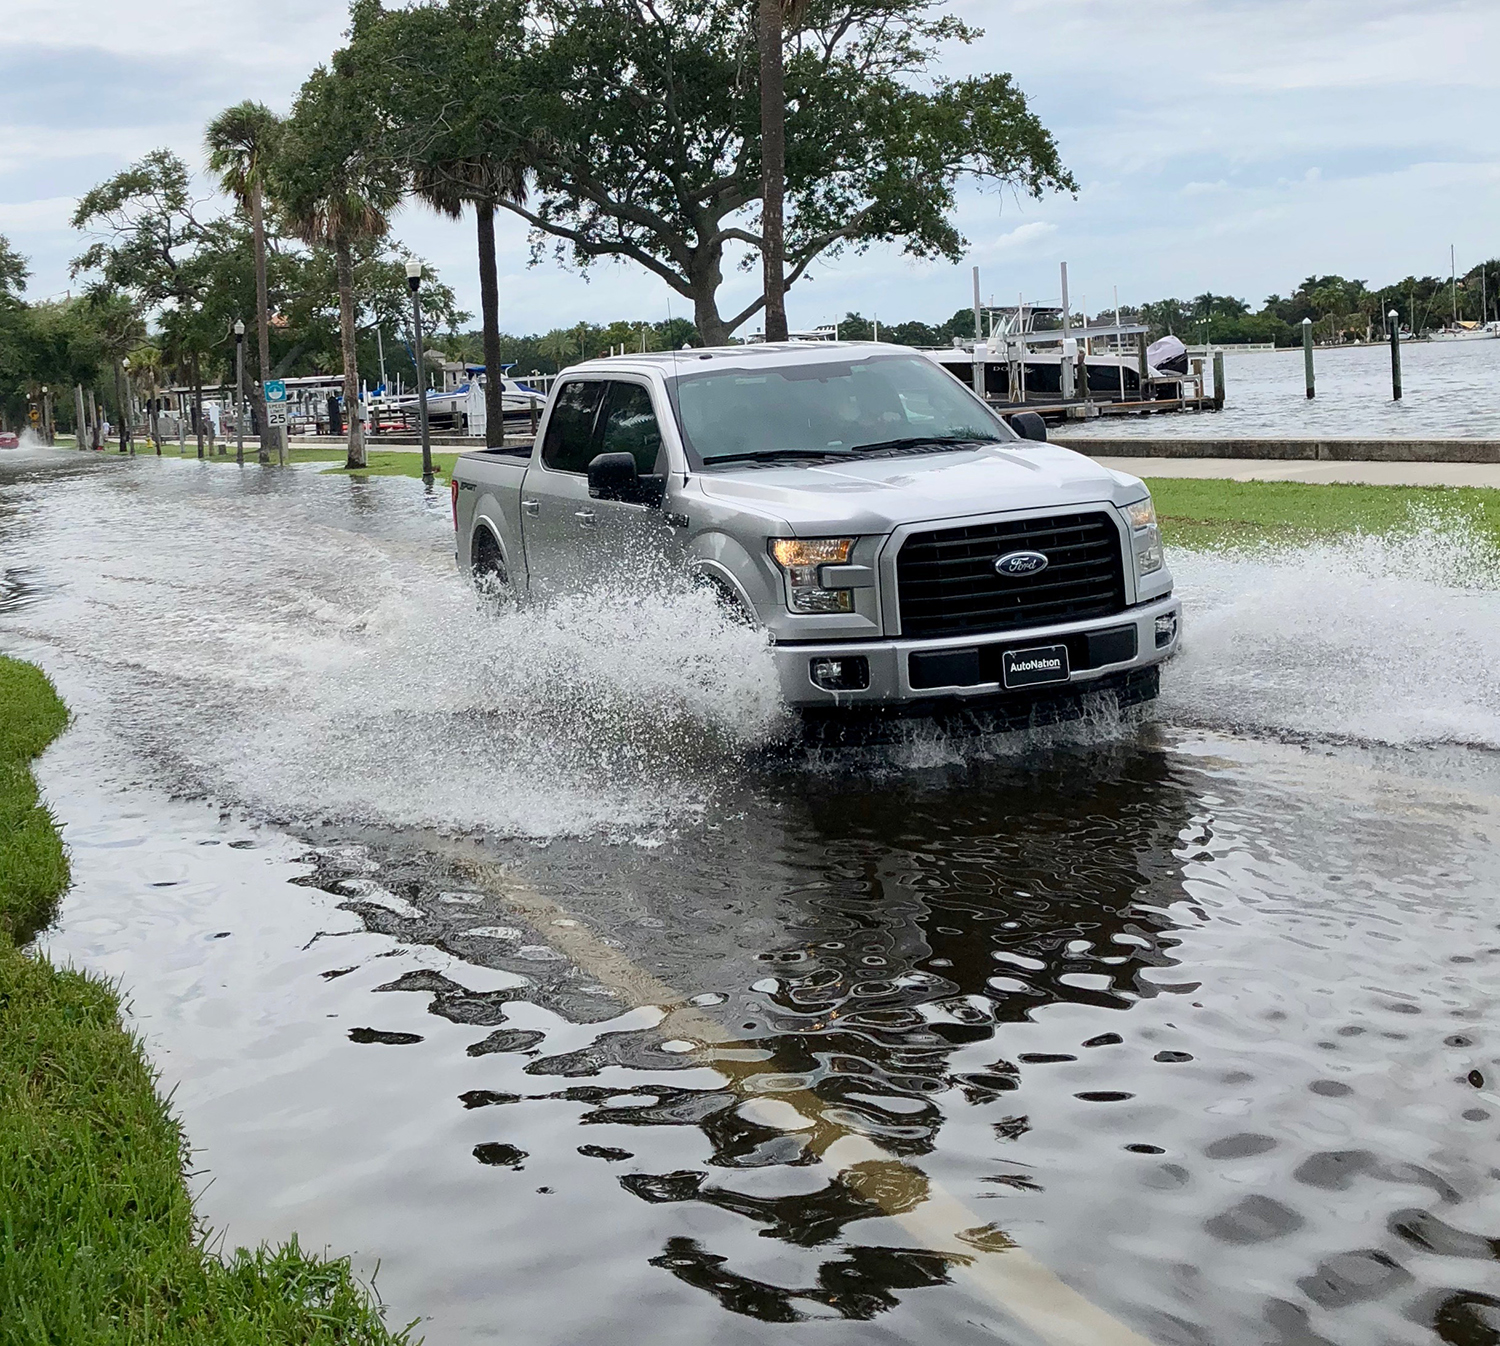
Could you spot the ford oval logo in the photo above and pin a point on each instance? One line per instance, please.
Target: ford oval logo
(1020, 563)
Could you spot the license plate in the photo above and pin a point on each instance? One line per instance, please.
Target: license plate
(1028, 668)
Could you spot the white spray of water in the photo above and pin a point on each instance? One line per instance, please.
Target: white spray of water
(1390, 640)
(302, 646)
(309, 652)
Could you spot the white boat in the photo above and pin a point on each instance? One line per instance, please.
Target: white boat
(1025, 365)
(466, 404)
(1467, 331)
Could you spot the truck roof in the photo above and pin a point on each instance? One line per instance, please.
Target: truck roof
(673, 364)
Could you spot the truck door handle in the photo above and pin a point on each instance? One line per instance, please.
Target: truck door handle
(532, 507)
(586, 518)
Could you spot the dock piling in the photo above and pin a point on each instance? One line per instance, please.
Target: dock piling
(1307, 353)
(1218, 380)
(1394, 320)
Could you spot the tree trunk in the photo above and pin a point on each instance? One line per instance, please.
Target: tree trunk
(345, 266)
(712, 329)
(262, 319)
(489, 303)
(773, 167)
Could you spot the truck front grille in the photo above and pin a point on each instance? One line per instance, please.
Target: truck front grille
(948, 585)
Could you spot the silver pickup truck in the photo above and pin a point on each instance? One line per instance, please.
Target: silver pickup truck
(901, 545)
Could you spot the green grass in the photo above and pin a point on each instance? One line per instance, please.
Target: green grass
(99, 1245)
(385, 463)
(33, 867)
(1203, 514)
(381, 462)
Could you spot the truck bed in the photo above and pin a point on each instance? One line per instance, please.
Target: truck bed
(522, 451)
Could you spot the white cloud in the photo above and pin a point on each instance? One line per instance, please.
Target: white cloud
(1020, 239)
(48, 213)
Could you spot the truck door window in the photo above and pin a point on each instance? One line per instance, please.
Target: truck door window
(630, 426)
(568, 446)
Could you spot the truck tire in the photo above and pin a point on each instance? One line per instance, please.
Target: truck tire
(487, 564)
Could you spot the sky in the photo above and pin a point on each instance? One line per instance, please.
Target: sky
(1226, 145)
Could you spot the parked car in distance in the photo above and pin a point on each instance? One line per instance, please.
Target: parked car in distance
(902, 546)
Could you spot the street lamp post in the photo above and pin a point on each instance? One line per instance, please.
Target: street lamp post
(239, 392)
(414, 283)
(127, 431)
(46, 416)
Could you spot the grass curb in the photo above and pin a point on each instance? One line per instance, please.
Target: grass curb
(98, 1240)
(1206, 513)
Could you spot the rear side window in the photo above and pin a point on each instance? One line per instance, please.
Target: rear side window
(630, 426)
(568, 446)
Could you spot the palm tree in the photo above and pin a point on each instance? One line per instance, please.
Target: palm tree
(335, 189)
(242, 142)
(146, 360)
(558, 346)
(483, 183)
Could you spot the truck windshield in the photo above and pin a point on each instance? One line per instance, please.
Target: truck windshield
(830, 408)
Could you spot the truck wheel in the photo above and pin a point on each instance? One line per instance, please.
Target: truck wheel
(487, 565)
(730, 603)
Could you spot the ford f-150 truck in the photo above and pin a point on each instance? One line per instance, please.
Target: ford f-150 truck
(901, 545)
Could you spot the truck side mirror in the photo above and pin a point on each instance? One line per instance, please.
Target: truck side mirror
(614, 476)
(1029, 425)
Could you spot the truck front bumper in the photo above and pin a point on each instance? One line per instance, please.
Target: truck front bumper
(955, 670)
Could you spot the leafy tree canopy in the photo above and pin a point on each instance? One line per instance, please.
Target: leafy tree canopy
(146, 229)
(641, 123)
(14, 270)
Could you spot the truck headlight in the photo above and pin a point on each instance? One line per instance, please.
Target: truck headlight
(801, 560)
(1146, 535)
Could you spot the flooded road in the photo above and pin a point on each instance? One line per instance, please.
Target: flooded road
(500, 948)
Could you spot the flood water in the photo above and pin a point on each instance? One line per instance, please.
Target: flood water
(1450, 390)
(516, 952)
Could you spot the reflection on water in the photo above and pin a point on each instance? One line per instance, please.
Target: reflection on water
(1450, 390)
(1196, 1021)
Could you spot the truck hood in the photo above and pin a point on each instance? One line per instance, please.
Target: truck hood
(875, 495)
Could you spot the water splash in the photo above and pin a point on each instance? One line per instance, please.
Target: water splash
(1387, 640)
(301, 646)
